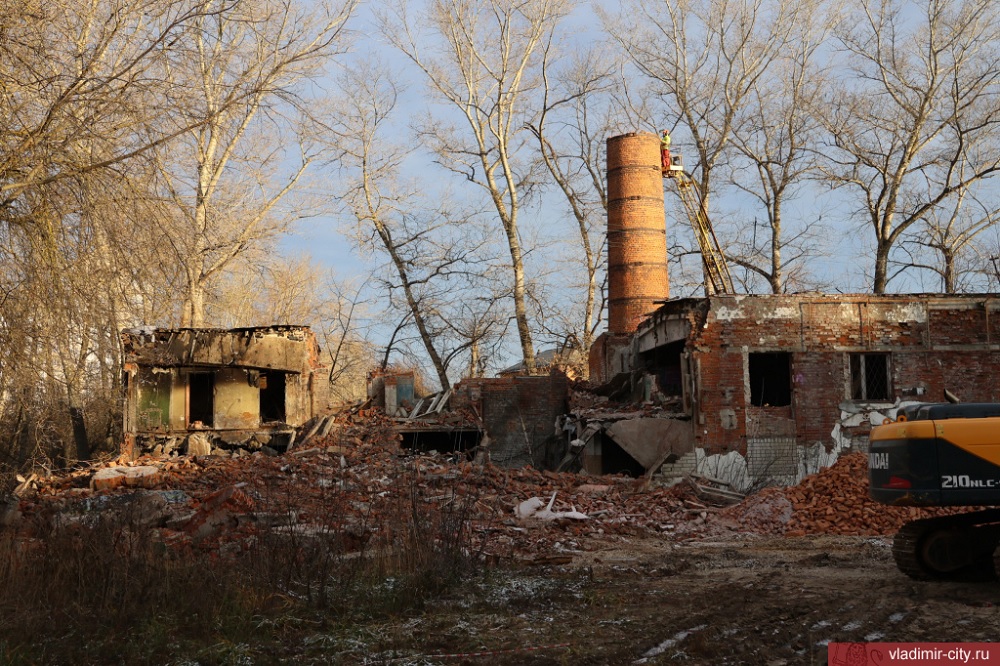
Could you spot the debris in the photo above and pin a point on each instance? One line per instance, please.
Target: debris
(593, 489)
(198, 444)
(833, 501)
(356, 478)
(26, 485)
(532, 508)
(714, 491)
(143, 476)
(528, 508)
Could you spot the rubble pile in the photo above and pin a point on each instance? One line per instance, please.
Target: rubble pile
(833, 501)
(357, 481)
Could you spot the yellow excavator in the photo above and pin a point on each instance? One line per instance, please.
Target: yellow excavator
(942, 455)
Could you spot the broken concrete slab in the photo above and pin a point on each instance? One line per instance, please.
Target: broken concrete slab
(650, 441)
(536, 509)
(199, 444)
(142, 476)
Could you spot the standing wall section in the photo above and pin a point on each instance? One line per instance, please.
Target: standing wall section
(519, 414)
(933, 342)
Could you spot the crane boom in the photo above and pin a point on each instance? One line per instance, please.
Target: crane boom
(717, 275)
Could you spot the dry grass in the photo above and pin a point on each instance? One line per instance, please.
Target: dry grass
(110, 589)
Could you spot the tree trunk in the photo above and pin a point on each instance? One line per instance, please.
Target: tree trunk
(474, 359)
(949, 271)
(776, 277)
(588, 316)
(411, 301)
(520, 311)
(193, 315)
(79, 433)
(881, 268)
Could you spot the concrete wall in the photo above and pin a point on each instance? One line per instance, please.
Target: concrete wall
(609, 355)
(237, 401)
(300, 398)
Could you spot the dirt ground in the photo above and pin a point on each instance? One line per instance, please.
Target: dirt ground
(740, 600)
(651, 577)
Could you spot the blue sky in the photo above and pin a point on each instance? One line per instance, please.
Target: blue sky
(848, 243)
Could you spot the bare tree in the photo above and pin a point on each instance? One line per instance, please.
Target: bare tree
(431, 246)
(918, 122)
(246, 67)
(263, 287)
(79, 81)
(706, 59)
(775, 139)
(946, 242)
(483, 59)
(61, 314)
(579, 113)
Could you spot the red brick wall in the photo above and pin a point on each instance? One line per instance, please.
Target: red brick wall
(519, 414)
(934, 342)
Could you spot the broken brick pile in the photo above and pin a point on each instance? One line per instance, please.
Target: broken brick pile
(833, 501)
(359, 483)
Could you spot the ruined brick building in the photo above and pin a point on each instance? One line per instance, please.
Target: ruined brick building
(194, 389)
(762, 388)
(754, 389)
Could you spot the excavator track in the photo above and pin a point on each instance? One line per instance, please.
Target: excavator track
(950, 548)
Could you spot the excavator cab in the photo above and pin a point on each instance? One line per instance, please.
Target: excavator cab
(941, 455)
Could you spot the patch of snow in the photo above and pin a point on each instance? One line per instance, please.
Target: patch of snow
(667, 644)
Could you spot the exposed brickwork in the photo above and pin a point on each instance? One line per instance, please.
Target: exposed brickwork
(932, 343)
(954, 326)
(637, 245)
(603, 356)
(519, 414)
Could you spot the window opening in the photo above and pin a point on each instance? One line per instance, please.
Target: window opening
(870, 377)
(770, 379)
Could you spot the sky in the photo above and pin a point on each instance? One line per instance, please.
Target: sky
(848, 244)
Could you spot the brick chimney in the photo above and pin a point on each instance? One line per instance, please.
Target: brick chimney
(637, 235)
